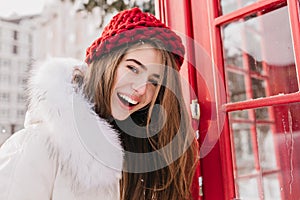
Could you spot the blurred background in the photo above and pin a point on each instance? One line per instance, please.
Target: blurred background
(32, 30)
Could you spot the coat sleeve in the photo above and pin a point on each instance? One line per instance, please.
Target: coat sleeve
(26, 170)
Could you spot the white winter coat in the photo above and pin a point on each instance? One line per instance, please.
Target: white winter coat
(60, 155)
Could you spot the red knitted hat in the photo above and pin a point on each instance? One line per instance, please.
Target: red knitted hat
(131, 26)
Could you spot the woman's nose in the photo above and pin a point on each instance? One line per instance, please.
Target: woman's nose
(141, 88)
(140, 83)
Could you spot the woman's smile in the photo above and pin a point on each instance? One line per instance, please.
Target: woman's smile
(128, 101)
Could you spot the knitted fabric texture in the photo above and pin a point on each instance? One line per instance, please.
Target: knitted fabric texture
(131, 26)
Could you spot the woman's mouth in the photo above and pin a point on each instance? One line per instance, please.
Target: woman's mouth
(126, 100)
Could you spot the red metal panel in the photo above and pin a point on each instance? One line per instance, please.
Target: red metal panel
(248, 10)
(262, 102)
(293, 8)
(214, 175)
(225, 143)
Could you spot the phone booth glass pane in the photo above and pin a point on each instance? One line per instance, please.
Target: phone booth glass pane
(259, 62)
(266, 148)
(258, 56)
(229, 6)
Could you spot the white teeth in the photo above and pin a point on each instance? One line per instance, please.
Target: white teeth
(128, 99)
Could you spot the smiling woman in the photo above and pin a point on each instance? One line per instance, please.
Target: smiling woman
(116, 128)
(134, 85)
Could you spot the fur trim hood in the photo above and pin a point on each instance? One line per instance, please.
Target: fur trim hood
(85, 146)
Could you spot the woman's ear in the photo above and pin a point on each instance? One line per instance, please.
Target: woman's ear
(78, 76)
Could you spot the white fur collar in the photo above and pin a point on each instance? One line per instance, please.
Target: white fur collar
(86, 147)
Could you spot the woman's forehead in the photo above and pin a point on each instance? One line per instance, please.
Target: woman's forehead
(145, 54)
(139, 46)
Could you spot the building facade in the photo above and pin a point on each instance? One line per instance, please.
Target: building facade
(16, 48)
(61, 30)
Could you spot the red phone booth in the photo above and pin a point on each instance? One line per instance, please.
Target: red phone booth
(243, 65)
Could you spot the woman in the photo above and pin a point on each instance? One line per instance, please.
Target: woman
(114, 129)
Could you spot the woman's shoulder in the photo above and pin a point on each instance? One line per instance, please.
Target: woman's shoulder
(24, 140)
(26, 166)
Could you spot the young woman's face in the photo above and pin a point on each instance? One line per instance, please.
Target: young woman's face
(136, 81)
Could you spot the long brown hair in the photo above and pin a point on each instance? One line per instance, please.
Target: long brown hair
(168, 181)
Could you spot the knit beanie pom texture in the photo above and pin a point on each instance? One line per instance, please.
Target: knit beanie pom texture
(131, 26)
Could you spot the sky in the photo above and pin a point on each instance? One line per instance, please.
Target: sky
(21, 7)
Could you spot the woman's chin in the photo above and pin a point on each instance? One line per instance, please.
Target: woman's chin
(120, 117)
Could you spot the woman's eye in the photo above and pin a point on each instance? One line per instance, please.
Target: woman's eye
(133, 69)
(153, 82)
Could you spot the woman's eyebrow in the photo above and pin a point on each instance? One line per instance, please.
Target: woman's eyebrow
(143, 66)
(156, 76)
(137, 62)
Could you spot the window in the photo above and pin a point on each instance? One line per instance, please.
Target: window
(4, 113)
(259, 64)
(4, 97)
(5, 79)
(4, 68)
(29, 38)
(21, 98)
(265, 146)
(15, 35)
(229, 6)
(15, 49)
(259, 56)
(6, 62)
(20, 114)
